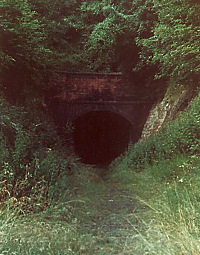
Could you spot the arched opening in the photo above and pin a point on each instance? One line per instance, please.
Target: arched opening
(101, 136)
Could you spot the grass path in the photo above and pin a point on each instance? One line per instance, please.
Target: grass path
(108, 217)
(96, 219)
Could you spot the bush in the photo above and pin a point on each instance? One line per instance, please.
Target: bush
(32, 159)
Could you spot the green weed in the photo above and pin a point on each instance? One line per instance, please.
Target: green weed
(168, 207)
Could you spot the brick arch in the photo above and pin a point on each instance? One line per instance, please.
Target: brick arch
(101, 109)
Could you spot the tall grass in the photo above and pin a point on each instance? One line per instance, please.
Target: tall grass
(168, 207)
(171, 227)
(35, 235)
(64, 228)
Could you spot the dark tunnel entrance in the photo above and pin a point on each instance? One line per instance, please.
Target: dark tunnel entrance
(101, 136)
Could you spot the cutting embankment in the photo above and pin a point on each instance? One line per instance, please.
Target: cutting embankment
(146, 203)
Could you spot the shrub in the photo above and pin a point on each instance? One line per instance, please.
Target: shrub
(32, 159)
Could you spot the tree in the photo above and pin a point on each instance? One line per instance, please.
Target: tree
(22, 47)
(110, 29)
(63, 38)
(175, 43)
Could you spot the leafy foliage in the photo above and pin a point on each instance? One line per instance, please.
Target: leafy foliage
(23, 53)
(175, 40)
(32, 160)
(110, 30)
(134, 37)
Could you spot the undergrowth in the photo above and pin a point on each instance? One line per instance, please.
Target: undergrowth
(43, 187)
(33, 159)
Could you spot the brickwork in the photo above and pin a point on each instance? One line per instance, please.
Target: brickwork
(91, 86)
(76, 94)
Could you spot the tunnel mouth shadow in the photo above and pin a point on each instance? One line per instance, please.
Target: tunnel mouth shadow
(100, 137)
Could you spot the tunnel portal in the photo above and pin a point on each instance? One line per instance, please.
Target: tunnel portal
(100, 136)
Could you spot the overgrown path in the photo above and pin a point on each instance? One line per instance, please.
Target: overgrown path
(109, 218)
